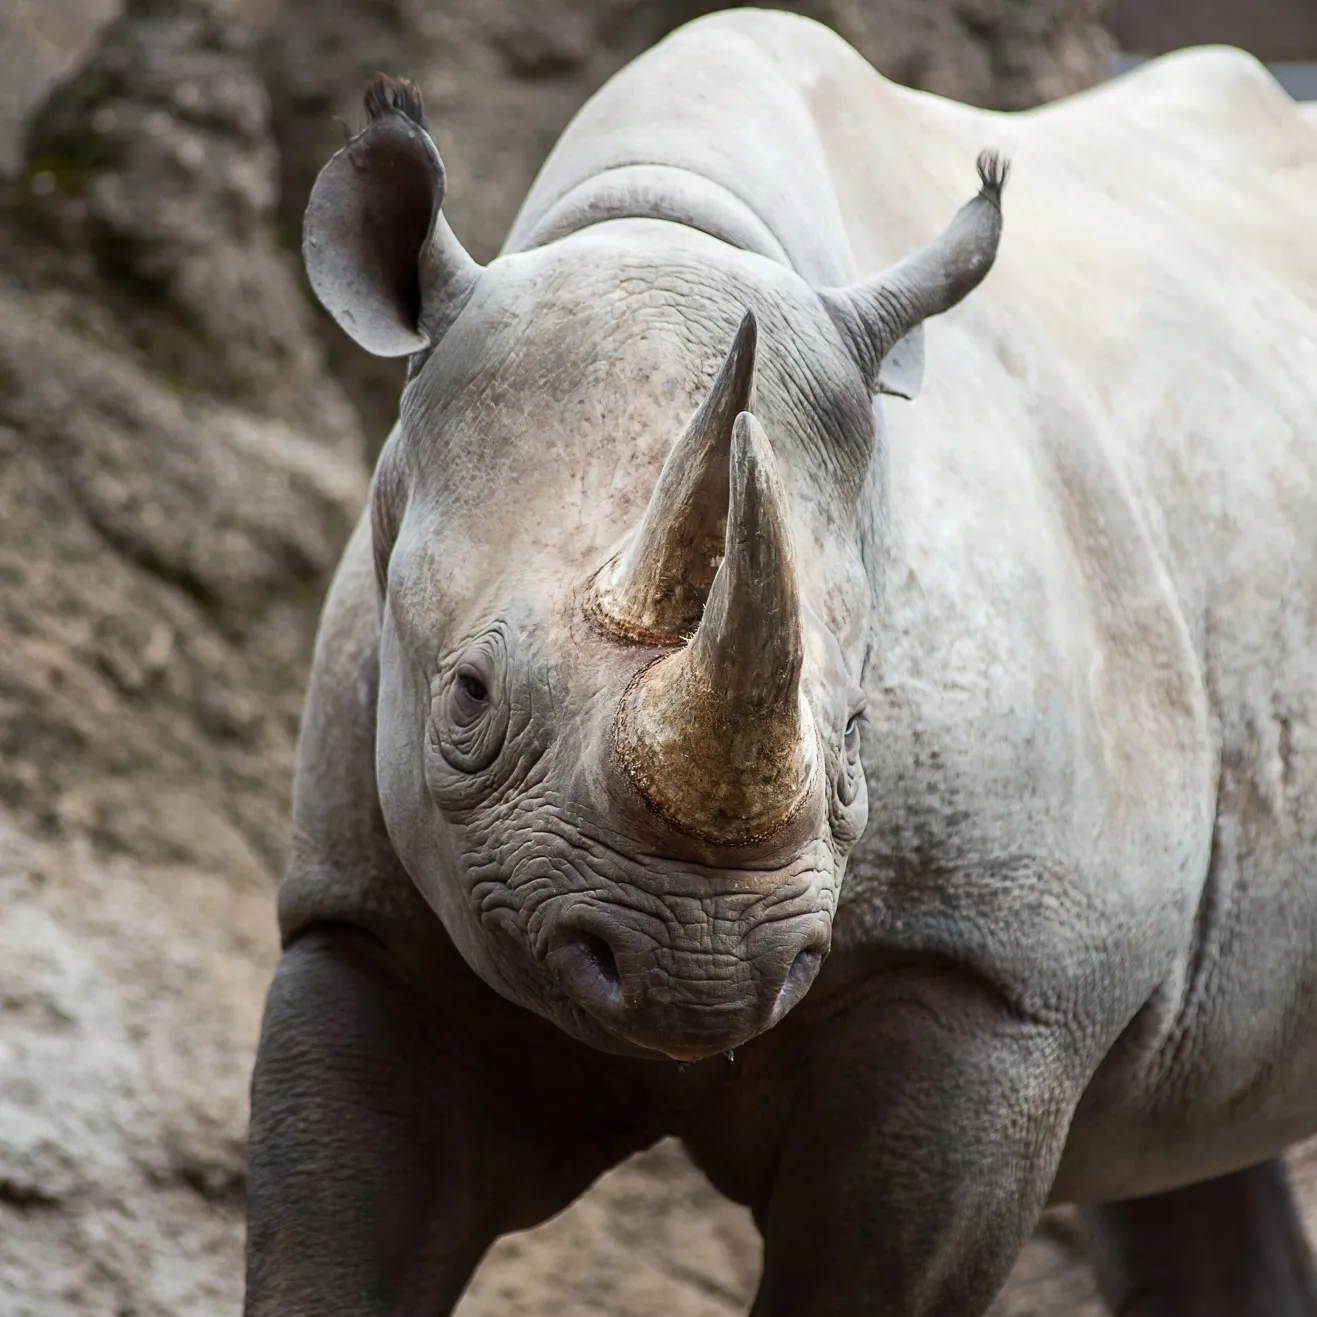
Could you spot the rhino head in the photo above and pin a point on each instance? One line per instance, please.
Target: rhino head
(624, 534)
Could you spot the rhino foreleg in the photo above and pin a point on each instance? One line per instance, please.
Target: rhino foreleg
(923, 1139)
(380, 1169)
(1231, 1247)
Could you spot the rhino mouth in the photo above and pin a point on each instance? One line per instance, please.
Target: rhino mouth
(707, 988)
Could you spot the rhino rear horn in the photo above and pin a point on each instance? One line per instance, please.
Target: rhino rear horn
(882, 318)
(655, 590)
(378, 252)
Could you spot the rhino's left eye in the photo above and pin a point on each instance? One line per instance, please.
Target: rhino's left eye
(852, 733)
(850, 779)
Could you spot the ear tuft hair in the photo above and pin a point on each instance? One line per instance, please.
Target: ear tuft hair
(880, 318)
(386, 95)
(994, 170)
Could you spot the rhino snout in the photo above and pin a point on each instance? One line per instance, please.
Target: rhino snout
(690, 997)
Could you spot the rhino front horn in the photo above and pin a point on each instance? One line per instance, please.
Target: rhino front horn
(716, 735)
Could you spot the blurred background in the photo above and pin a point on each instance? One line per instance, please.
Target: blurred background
(184, 445)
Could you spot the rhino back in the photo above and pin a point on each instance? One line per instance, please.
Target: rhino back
(1094, 664)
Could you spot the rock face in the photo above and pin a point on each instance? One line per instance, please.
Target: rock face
(39, 40)
(153, 173)
(129, 1000)
(177, 475)
(180, 471)
(1271, 29)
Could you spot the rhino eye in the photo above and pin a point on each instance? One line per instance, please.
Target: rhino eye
(469, 708)
(851, 777)
(470, 696)
(853, 723)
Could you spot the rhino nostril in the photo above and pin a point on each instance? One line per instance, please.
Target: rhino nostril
(586, 967)
(797, 983)
(803, 968)
(600, 956)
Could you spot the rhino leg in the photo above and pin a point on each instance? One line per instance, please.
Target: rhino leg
(922, 1141)
(1232, 1247)
(380, 1169)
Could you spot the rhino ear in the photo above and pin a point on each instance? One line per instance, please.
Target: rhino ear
(902, 371)
(378, 252)
(882, 318)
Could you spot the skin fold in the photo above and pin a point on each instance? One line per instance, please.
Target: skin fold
(785, 695)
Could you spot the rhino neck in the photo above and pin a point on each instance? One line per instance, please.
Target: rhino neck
(654, 192)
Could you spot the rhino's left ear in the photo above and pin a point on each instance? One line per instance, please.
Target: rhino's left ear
(882, 318)
(902, 370)
(378, 251)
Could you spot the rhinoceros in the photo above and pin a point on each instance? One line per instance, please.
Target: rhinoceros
(908, 803)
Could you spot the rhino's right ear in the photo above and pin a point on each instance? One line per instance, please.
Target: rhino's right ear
(378, 251)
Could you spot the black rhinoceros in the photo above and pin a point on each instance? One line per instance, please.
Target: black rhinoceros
(912, 806)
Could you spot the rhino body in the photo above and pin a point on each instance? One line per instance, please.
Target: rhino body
(1064, 599)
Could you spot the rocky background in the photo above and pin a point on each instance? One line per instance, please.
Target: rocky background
(184, 446)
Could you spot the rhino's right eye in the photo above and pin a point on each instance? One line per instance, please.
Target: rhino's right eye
(470, 697)
(470, 708)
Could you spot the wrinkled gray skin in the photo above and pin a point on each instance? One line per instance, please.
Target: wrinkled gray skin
(657, 602)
